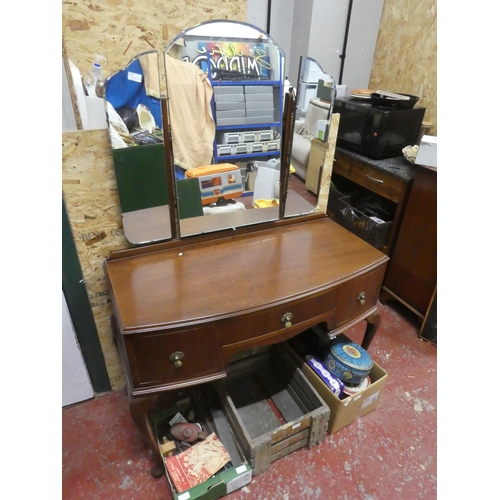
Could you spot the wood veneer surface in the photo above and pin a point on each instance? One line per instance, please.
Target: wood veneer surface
(222, 278)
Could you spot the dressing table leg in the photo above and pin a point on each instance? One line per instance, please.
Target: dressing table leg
(373, 322)
(139, 409)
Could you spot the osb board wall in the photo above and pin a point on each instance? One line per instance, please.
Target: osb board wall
(91, 197)
(117, 30)
(121, 29)
(406, 53)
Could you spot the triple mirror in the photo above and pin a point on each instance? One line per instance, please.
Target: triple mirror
(197, 134)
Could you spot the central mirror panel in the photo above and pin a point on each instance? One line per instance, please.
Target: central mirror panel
(225, 99)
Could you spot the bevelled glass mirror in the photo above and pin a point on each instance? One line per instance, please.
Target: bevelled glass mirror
(225, 98)
(134, 114)
(315, 98)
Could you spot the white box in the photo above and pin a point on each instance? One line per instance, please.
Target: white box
(427, 151)
(322, 130)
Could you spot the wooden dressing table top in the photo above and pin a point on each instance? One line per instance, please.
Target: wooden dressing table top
(197, 283)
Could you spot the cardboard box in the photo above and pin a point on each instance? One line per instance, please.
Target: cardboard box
(322, 130)
(325, 90)
(345, 411)
(227, 480)
(427, 151)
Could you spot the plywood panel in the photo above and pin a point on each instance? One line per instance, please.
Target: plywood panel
(117, 30)
(406, 53)
(90, 193)
(121, 29)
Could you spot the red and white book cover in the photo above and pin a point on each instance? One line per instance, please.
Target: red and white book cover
(198, 463)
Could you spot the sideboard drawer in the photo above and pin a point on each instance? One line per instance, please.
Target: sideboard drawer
(358, 296)
(370, 178)
(152, 356)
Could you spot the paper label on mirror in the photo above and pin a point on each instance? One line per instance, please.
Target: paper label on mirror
(134, 77)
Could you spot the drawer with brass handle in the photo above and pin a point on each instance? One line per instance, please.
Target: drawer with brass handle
(163, 357)
(375, 180)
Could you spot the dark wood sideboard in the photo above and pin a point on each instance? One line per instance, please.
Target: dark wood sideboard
(390, 178)
(412, 272)
(182, 312)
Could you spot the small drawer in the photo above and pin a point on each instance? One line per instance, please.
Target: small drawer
(153, 356)
(358, 296)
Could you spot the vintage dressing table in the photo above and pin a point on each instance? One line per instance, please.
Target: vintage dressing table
(185, 305)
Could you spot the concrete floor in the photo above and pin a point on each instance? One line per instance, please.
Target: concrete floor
(390, 453)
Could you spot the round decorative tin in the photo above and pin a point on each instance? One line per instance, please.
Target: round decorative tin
(351, 389)
(348, 361)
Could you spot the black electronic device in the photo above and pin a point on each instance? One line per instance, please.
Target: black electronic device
(375, 131)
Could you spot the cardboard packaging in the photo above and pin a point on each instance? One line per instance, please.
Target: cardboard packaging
(427, 151)
(322, 130)
(345, 411)
(325, 90)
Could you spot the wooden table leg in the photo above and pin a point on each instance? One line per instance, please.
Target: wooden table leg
(373, 322)
(139, 409)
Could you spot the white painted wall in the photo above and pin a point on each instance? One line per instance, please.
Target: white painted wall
(316, 28)
(257, 13)
(68, 116)
(76, 385)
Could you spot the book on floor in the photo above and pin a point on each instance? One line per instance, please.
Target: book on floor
(198, 463)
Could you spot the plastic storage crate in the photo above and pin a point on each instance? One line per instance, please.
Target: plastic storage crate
(372, 231)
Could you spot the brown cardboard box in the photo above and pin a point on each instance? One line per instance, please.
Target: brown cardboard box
(344, 412)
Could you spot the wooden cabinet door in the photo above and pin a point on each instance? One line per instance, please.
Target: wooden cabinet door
(412, 271)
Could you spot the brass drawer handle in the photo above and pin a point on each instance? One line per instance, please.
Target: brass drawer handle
(176, 357)
(361, 298)
(287, 319)
(369, 177)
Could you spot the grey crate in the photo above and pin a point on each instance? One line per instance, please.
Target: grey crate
(224, 106)
(259, 104)
(233, 113)
(260, 112)
(244, 395)
(259, 89)
(233, 89)
(259, 119)
(232, 121)
(259, 97)
(229, 98)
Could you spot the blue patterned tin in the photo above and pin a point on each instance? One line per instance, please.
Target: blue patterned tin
(348, 361)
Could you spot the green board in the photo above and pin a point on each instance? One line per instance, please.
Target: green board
(189, 195)
(141, 176)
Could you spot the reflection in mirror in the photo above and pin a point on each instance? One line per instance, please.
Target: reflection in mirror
(225, 94)
(315, 96)
(134, 114)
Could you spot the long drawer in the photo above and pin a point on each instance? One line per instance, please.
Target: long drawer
(369, 177)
